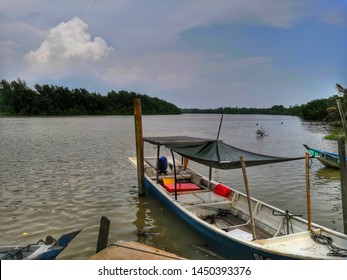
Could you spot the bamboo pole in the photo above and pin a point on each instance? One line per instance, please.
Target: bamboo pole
(243, 166)
(343, 178)
(139, 146)
(308, 192)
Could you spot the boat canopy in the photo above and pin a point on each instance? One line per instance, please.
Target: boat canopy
(214, 153)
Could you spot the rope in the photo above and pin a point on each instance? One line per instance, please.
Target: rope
(17, 253)
(311, 162)
(328, 241)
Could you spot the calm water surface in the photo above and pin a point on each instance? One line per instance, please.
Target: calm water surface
(64, 173)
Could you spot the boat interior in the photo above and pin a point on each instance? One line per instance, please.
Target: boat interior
(222, 207)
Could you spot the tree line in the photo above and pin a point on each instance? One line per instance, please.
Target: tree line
(315, 110)
(16, 98)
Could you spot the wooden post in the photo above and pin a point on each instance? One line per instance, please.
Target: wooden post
(342, 116)
(103, 234)
(308, 192)
(139, 146)
(343, 178)
(243, 166)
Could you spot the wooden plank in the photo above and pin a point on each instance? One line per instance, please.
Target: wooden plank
(132, 250)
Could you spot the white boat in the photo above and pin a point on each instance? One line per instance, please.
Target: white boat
(238, 225)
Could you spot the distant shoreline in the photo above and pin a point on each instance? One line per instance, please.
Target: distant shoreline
(17, 99)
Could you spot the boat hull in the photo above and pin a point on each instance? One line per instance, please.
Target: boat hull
(39, 251)
(230, 248)
(225, 222)
(327, 159)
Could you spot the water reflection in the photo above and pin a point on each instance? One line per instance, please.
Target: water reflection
(329, 174)
(157, 226)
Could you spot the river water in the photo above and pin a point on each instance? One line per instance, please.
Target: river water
(64, 173)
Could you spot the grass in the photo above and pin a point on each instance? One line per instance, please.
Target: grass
(333, 136)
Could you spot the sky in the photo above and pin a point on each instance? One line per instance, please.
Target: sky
(193, 53)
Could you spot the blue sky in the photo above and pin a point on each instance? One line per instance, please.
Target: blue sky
(193, 53)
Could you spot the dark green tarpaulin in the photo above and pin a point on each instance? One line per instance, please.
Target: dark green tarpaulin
(214, 153)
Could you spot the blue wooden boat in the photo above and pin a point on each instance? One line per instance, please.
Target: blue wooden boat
(240, 226)
(47, 249)
(326, 158)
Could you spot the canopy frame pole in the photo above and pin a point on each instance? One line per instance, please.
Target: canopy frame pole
(158, 153)
(243, 166)
(174, 167)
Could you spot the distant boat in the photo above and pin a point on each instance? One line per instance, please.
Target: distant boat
(261, 132)
(240, 226)
(326, 158)
(42, 250)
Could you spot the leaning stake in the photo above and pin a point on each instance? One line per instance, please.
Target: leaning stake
(139, 146)
(308, 192)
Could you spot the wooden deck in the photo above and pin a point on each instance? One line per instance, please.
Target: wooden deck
(123, 250)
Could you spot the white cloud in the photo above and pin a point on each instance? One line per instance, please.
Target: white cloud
(67, 44)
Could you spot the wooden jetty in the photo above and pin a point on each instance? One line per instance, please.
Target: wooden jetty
(123, 250)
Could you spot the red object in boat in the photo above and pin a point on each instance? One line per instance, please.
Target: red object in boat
(181, 187)
(222, 190)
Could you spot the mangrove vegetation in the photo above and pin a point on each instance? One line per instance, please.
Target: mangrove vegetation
(17, 99)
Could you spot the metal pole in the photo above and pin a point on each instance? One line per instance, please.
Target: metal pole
(139, 146)
(343, 178)
(308, 192)
(243, 166)
(220, 125)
